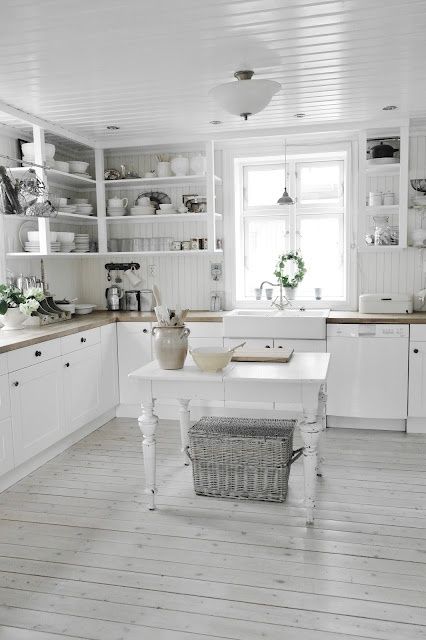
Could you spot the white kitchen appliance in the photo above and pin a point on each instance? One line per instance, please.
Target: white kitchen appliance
(368, 376)
(385, 303)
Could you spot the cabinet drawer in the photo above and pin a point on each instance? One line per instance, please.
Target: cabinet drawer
(205, 329)
(80, 340)
(418, 332)
(3, 364)
(35, 354)
(4, 397)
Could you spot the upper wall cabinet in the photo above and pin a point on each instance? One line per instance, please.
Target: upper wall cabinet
(383, 189)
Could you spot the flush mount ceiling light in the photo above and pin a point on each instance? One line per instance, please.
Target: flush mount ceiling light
(285, 198)
(246, 96)
(390, 107)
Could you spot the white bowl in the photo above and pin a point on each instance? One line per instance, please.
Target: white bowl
(211, 359)
(119, 212)
(34, 236)
(83, 309)
(62, 166)
(167, 207)
(65, 236)
(70, 306)
(78, 167)
(28, 150)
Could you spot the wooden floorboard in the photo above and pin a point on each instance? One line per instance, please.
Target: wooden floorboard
(80, 557)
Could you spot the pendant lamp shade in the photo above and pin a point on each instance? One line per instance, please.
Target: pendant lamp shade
(245, 96)
(285, 198)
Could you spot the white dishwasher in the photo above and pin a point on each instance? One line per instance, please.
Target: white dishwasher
(368, 376)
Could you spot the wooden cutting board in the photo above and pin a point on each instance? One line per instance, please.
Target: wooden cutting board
(283, 354)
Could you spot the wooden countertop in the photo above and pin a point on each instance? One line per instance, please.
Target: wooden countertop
(12, 340)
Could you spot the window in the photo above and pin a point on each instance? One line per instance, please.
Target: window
(314, 225)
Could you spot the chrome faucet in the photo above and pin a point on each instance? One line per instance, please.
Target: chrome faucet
(281, 301)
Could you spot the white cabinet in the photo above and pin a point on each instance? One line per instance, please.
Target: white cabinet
(37, 408)
(134, 350)
(82, 385)
(417, 380)
(6, 443)
(109, 368)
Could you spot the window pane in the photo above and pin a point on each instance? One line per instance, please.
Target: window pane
(320, 183)
(264, 241)
(321, 245)
(264, 185)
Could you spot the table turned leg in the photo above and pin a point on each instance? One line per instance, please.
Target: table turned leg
(311, 434)
(148, 424)
(184, 420)
(322, 419)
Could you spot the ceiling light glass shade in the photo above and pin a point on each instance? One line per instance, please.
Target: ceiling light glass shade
(245, 96)
(285, 198)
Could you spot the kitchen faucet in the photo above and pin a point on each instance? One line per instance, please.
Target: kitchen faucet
(280, 304)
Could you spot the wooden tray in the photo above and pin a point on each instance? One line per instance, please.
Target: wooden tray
(282, 354)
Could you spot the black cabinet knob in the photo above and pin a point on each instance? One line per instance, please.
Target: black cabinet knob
(280, 346)
(268, 346)
(144, 330)
(67, 364)
(82, 339)
(37, 354)
(16, 384)
(416, 350)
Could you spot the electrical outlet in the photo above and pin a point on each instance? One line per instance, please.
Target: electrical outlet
(152, 270)
(216, 271)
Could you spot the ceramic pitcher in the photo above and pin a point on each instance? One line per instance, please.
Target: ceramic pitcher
(170, 346)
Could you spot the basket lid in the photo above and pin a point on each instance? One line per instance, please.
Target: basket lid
(244, 426)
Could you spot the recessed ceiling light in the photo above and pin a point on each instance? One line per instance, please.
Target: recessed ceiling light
(300, 115)
(390, 107)
(112, 127)
(216, 122)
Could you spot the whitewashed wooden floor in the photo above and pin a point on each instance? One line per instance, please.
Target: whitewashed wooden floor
(80, 557)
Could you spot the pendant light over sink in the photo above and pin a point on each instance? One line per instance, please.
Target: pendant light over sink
(285, 198)
(246, 96)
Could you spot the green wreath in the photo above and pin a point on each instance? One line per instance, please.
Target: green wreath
(298, 276)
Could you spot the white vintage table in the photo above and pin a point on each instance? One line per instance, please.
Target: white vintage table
(299, 384)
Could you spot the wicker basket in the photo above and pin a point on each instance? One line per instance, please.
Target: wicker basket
(242, 458)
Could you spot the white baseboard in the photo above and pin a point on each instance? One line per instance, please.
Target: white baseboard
(34, 463)
(341, 422)
(416, 425)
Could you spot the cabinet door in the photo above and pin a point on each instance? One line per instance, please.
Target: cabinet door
(6, 446)
(37, 408)
(134, 350)
(82, 384)
(109, 368)
(299, 346)
(417, 380)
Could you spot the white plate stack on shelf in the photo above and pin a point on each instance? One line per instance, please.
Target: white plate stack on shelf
(66, 238)
(116, 211)
(68, 208)
(142, 210)
(81, 243)
(85, 209)
(34, 247)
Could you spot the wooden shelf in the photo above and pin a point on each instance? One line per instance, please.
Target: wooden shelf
(391, 208)
(134, 182)
(383, 169)
(23, 254)
(169, 217)
(373, 248)
(60, 178)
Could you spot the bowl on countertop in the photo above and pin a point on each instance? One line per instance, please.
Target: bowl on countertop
(84, 309)
(211, 359)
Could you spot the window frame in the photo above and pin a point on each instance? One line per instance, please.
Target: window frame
(234, 162)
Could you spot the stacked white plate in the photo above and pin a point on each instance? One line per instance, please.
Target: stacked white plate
(116, 211)
(67, 247)
(34, 247)
(68, 208)
(81, 243)
(142, 210)
(85, 209)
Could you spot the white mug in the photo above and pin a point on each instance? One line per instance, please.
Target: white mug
(133, 277)
(118, 202)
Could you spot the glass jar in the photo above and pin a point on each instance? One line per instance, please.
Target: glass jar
(382, 230)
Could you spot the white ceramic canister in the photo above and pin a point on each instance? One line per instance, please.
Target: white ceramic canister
(164, 170)
(198, 165)
(375, 199)
(170, 346)
(180, 166)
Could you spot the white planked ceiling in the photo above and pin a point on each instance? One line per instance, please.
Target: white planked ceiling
(147, 66)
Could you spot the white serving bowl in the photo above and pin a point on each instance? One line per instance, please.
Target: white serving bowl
(167, 207)
(28, 150)
(65, 236)
(62, 166)
(211, 359)
(34, 236)
(84, 309)
(76, 166)
(66, 307)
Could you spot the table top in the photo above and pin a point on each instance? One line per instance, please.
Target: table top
(303, 367)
